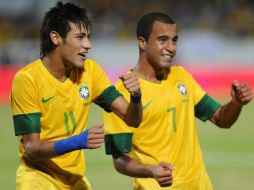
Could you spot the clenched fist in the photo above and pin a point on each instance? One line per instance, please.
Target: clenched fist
(131, 83)
(241, 93)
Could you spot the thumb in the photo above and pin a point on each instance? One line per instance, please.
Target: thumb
(121, 77)
(235, 85)
(100, 125)
(167, 165)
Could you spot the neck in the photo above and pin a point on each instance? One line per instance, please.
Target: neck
(56, 68)
(145, 71)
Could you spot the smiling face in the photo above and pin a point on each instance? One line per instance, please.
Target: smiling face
(160, 48)
(75, 46)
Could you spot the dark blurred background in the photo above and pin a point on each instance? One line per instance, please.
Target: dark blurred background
(216, 38)
(214, 24)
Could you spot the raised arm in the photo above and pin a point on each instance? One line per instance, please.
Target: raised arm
(226, 115)
(36, 149)
(162, 172)
(131, 113)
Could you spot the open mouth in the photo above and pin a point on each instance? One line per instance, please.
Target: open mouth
(82, 55)
(168, 56)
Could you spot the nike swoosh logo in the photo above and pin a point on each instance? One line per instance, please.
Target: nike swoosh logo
(44, 100)
(147, 104)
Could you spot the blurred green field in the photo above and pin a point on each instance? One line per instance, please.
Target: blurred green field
(229, 155)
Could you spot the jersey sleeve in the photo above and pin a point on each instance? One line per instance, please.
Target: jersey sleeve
(107, 97)
(25, 106)
(104, 93)
(118, 136)
(205, 105)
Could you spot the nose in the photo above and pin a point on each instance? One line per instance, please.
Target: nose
(171, 46)
(87, 44)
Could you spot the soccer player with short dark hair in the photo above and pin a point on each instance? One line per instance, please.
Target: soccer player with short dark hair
(164, 152)
(51, 98)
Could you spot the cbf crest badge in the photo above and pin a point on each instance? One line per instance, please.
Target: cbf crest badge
(83, 91)
(182, 89)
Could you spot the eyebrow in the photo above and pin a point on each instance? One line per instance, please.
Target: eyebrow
(164, 36)
(83, 34)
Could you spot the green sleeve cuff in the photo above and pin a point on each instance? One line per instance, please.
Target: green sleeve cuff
(107, 97)
(27, 123)
(206, 107)
(118, 143)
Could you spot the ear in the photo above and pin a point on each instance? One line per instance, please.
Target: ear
(141, 43)
(55, 37)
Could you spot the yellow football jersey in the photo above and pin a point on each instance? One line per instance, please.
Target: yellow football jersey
(56, 110)
(167, 132)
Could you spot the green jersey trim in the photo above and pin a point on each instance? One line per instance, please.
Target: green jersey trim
(118, 143)
(107, 97)
(206, 107)
(27, 123)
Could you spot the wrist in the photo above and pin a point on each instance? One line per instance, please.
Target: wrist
(136, 99)
(236, 103)
(150, 171)
(76, 142)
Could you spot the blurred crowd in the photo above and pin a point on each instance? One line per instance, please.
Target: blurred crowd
(229, 17)
(20, 21)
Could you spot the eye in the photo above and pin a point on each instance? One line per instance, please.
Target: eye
(162, 40)
(80, 37)
(175, 39)
(174, 42)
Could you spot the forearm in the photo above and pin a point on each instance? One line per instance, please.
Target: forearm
(133, 168)
(162, 172)
(36, 149)
(134, 113)
(39, 150)
(228, 114)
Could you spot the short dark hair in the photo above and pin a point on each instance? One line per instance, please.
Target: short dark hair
(58, 19)
(145, 23)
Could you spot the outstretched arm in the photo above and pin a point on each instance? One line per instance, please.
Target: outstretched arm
(162, 172)
(226, 115)
(36, 149)
(131, 113)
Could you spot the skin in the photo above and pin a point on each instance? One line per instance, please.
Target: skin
(156, 54)
(156, 57)
(131, 167)
(68, 56)
(226, 115)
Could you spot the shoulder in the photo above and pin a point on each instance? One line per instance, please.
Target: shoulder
(179, 69)
(26, 78)
(180, 73)
(91, 64)
(28, 72)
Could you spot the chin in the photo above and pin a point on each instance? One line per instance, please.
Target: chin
(166, 66)
(79, 64)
